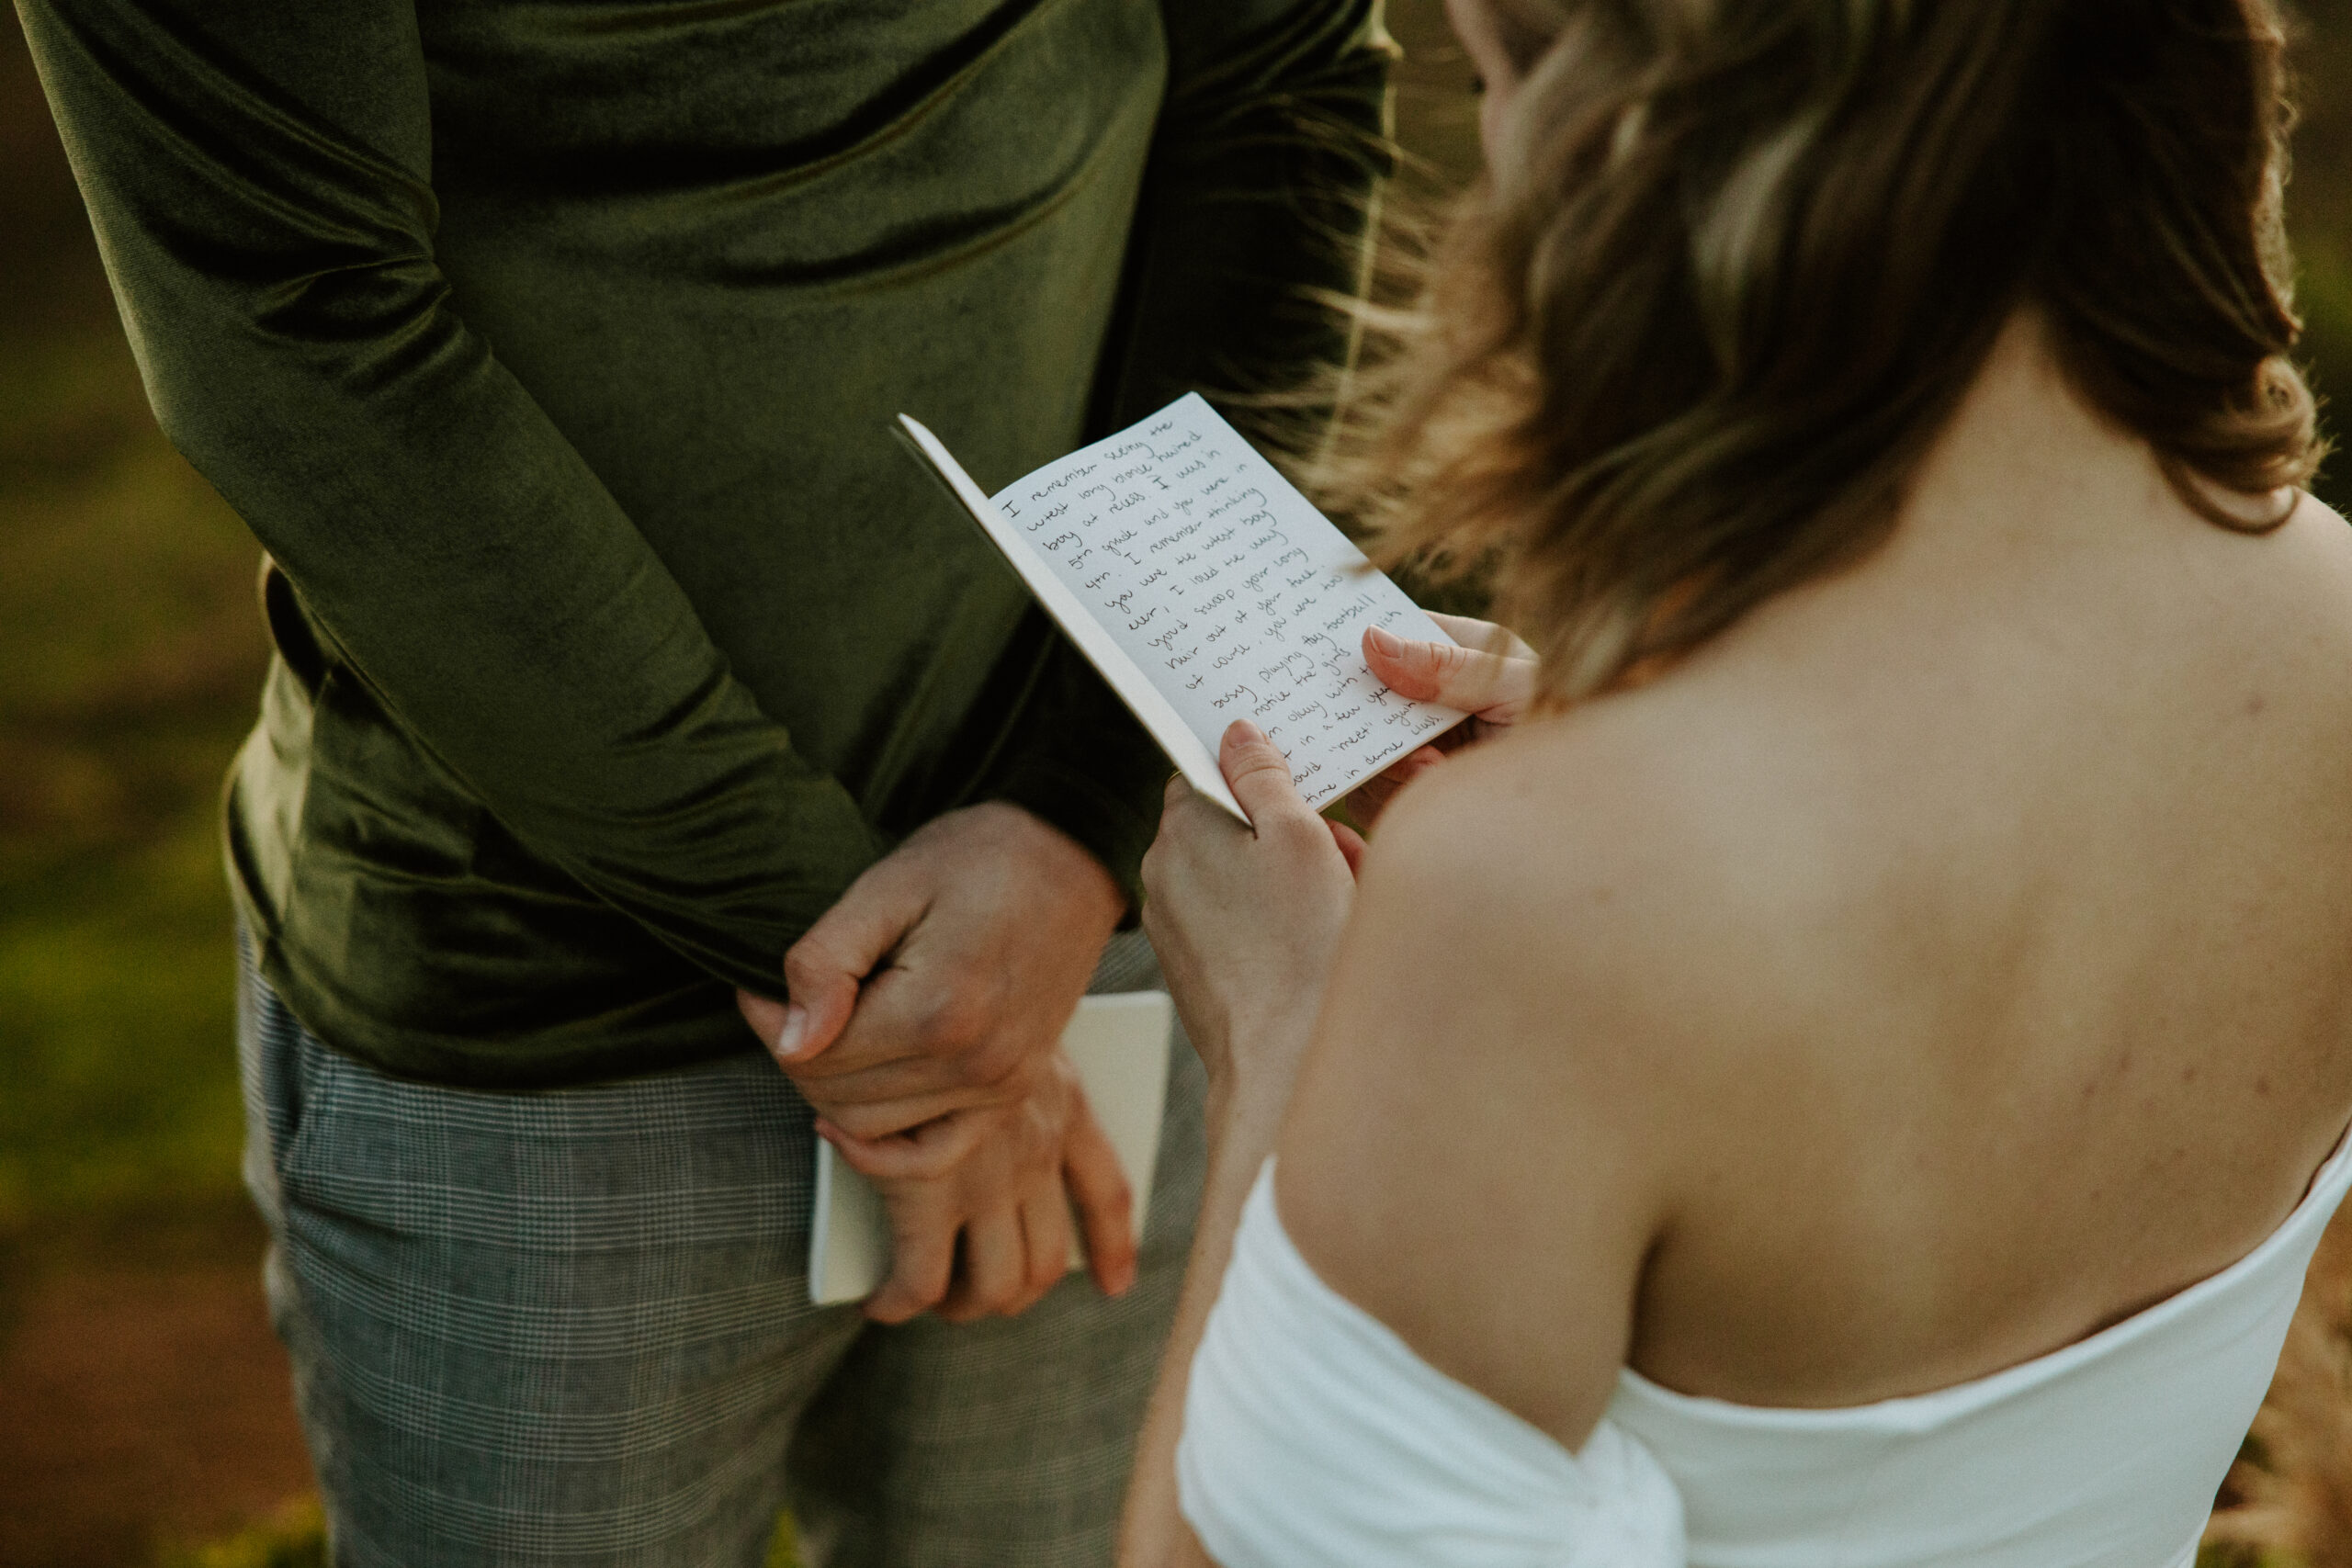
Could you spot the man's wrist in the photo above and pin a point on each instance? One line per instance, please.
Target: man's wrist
(1112, 831)
(1073, 863)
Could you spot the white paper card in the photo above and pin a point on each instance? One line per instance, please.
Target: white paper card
(1119, 1044)
(1206, 588)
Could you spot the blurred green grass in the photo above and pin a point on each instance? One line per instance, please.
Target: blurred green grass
(129, 653)
(2319, 214)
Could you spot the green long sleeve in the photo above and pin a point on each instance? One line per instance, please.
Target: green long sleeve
(549, 349)
(264, 201)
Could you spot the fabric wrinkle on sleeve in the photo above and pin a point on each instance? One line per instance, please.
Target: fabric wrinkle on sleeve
(259, 183)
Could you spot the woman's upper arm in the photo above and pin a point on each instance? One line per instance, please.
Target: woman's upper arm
(1475, 1150)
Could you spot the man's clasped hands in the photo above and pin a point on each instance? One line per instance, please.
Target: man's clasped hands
(926, 1006)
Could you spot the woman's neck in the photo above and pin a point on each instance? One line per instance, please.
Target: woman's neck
(2026, 463)
(2028, 466)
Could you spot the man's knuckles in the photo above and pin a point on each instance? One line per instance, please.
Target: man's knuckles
(813, 970)
(994, 1062)
(949, 1020)
(973, 1049)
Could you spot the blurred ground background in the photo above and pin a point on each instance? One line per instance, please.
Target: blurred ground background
(143, 1404)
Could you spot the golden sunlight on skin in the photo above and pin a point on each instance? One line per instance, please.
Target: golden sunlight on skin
(1949, 960)
(1789, 988)
(1792, 1016)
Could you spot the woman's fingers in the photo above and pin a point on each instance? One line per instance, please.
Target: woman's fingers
(768, 1018)
(1351, 845)
(1485, 671)
(1485, 635)
(922, 1154)
(1495, 686)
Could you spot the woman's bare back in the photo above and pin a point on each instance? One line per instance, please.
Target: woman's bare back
(1953, 958)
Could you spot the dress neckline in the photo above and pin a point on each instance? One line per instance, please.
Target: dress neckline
(2316, 1206)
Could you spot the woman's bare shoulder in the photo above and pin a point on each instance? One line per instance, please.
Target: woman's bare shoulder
(1633, 824)
(1483, 1098)
(2280, 621)
(2321, 543)
(1555, 788)
(1613, 900)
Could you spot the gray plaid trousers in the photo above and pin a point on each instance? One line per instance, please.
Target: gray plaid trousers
(572, 1326)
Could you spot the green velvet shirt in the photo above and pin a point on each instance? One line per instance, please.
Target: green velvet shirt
(551, 347)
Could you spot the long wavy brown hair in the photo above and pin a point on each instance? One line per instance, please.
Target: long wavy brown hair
(1736, 261)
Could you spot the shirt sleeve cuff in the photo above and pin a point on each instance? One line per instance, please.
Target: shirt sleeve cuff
(1104, 821)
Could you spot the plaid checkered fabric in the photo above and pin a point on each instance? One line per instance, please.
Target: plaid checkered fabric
(572, 1326)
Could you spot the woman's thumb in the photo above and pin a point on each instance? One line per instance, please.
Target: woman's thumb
(1258, 771)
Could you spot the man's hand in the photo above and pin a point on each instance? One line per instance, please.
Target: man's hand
(996, 1173)
(925, 1014)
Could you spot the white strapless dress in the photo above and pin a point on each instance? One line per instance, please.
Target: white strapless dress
(1315, 1439)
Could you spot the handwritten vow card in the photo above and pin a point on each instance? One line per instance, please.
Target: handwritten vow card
(1206, 588)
